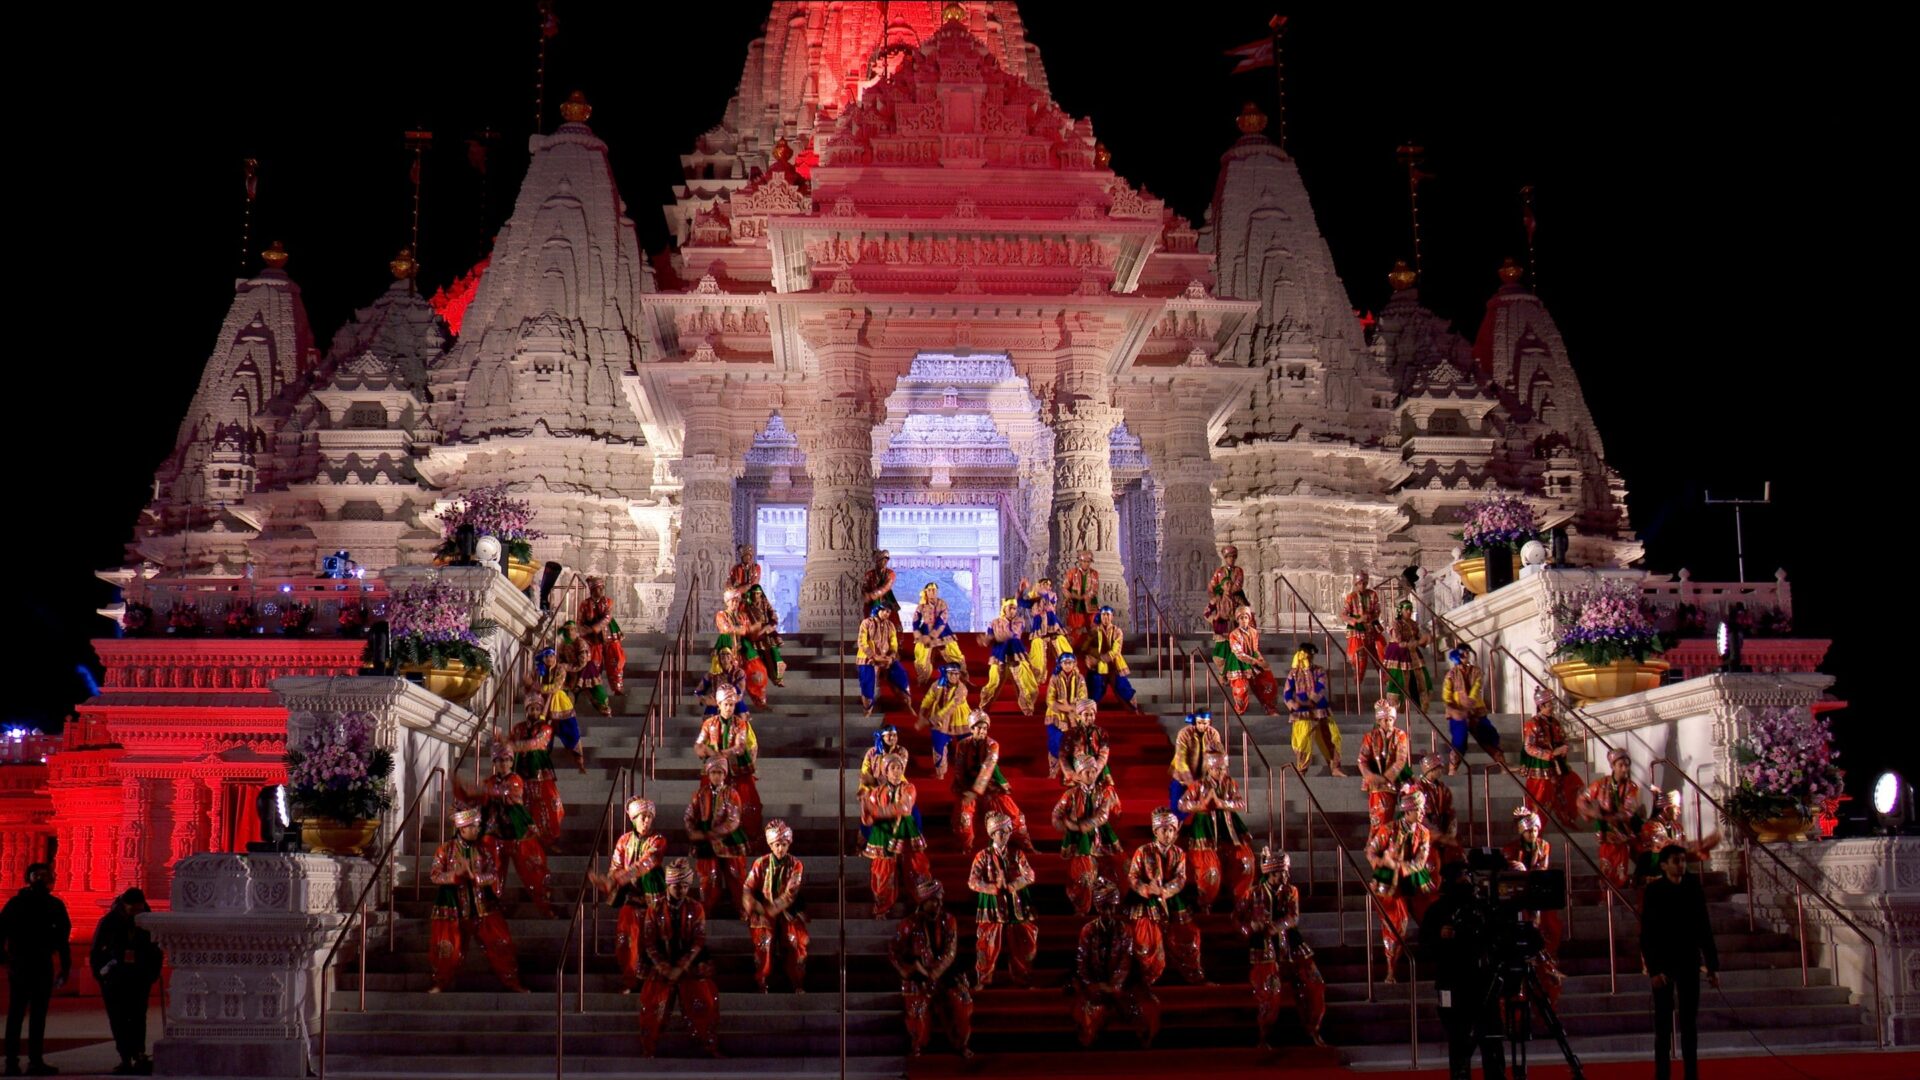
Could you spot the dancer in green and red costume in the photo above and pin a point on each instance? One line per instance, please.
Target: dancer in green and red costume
(1385, 762)
(979, 784)
(1612, 805)
(1157, 910)
(1219, 849)
(635, 881)
(674, 946)
(745, 571)
(1081, 588)
(1442, 823)
(877, 585)
(776, 917)
(923, 951)
(585, 678)
(1248, 675)
(1532, 852)
(763, 640)
(1226, 594)
(1280, 964)
(1361, 609)
(602, 634)
(896, 848)
(1110, 978)
(719, 843)
(503, 798)
(1003, 909)
(467, 906)
(728, 733)
(1552, 785)
(1403, 874)
(1083, 817)
(532, 748)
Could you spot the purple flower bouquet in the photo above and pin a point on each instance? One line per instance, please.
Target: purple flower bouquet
(338, 773)
(491, 512)
(431, 623)
(1496, 521)
(1607, 623)
(1785, 765)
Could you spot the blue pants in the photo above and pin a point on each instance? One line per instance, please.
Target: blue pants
(1175, 789)
(568, 732)
(1054, 738)
(869, 680)
(1097, 686)
(1483, 732)
(940, 741)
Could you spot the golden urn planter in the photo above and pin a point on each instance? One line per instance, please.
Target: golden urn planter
(1591, 682)
(1777, 830)
(1473, 573)
(521, 572)
(456, 682)
(329, 837)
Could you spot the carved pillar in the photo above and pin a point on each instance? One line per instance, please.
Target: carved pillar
(707, 472)
(1084, 516)
(1182, 465)
(187, 835)
(837, 438)
(136, 812)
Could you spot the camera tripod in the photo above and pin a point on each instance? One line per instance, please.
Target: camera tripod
(1519, 992)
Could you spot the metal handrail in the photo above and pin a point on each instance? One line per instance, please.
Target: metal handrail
(668, 679)
(845, 587)
(1159, 635)
(1346, 859)
(500, 703)
(1612, 892)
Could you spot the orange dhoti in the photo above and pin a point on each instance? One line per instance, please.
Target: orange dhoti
(1082, 870)
(450, 934)
(626, 943)
(529, 860)
(790, 934)
(720, 875)
(885, 877)
(1616, 863)
(954, 1002)
(699, 1003)
(1136, 1005)
(543, 802)
(1557, 796)
(613, 661)
(1203, 871)
(1020, 952)
(1362, 649)
(963, 817)
(1277, 983)
(1393, 928)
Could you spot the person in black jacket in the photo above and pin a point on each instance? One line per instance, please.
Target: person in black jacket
(1452, 947)
(1676, 941)
(33, 935)
(127, 963)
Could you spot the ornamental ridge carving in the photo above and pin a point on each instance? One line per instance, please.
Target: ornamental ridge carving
(887, 249)
(774, 195)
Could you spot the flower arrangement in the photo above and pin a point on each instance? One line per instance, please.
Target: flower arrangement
(1607, 623)
(139, 619)
(354, 617)
(183, 619)
(1785, 766)
(430, 624)
(1497, 520)
(338, 774)
(491, 512)
(240, 620)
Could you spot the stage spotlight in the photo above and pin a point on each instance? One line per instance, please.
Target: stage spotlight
(1893, 810)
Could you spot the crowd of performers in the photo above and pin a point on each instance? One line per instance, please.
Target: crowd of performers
(1062, 653)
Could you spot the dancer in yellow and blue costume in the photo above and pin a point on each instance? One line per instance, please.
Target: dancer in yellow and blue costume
(932, 634)
(947, 709)
(1105, 664)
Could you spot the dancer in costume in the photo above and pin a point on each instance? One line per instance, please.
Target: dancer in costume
(1403, 877)
(932, 635)
(1663, 829)
(1465, 695)
(1305, 693)
(503, 799)
(1000, 879)
(1531, 851)
(585, 678)
(776, 916)
(1226, 594)
(1219, 849)
(553, 703)
(1083, 818)
(763, 633)
(602, 634)
(675, 947)
(745, 571)
(1163, 927)
(923, 951)
(1190, 749)
(1109, 978)
(878, 652)
(946, 709)
(635, 880)
(1552, 785)
(1106, 666)
(1442, 823)
(1046, 638)
(728, 733)
(735, 630)
(1385, 761)
(1611, 804)
(719, 843)
(877, 586)
(467, 906)
(1007, 658)
(896, 848)
(1065, 690)
(1246, 670)
(1361, 609)
(1081, 588)
(1403, 659)
(1280, 964)
(978, 781)
(532, 747)
(1087, 739)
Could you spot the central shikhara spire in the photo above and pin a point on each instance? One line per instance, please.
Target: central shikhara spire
(890, 182)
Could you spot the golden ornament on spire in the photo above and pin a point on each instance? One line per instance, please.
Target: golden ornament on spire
(275, 256)
(954, 13)
(1102, 157)
(1401, 277)
(1511, 272)
(575, 110)
(782, 150)
(1252, 120)
(403, 265)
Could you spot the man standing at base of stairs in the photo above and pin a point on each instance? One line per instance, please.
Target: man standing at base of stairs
(1676, 944)
(34, 933)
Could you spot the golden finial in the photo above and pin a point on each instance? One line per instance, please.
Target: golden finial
(403, 266)
(1252, 121)
(1402, 276)
(275, 256)
(782, 150)
(1511, 272)
(954, 13)
(575, 110)
(1102, 157)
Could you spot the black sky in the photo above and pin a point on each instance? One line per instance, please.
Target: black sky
(1703, 180)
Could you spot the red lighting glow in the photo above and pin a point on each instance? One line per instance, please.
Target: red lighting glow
(450, 302)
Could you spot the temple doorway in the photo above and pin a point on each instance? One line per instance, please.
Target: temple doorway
(954, 547)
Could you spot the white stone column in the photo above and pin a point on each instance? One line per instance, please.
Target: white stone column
(245, 937)
(708, 469)
(836, 435)
(1084, 516)
(1181, 463)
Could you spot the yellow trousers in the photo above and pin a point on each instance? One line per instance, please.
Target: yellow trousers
(1309, 733)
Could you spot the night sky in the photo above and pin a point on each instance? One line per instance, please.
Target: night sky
(1700, 181)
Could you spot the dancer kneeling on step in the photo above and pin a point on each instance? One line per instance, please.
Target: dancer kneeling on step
(719, 842)
(1108, 977)
(1157, 910)
(896, 849)
(775, 915)
(1280, 964)
(923, 952)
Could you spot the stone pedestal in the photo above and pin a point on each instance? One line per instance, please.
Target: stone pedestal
(1874, 882)
(245, 938)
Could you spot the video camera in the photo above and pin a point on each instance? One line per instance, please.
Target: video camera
(1496, 918)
